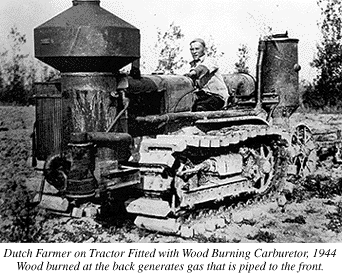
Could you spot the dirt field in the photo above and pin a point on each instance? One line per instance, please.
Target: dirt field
(313, 213)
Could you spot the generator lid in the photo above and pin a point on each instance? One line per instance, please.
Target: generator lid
(87, 38)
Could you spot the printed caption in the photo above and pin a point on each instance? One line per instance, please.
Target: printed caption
(187, 260)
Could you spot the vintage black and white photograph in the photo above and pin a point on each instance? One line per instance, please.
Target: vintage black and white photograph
(160, 121)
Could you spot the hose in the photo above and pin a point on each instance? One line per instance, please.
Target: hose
(55, 169)
(118, 116)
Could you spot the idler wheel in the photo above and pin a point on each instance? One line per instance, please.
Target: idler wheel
(303, 151)
(262, 170)
(266, 167)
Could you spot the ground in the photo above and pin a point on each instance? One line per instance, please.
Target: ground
(312, 213)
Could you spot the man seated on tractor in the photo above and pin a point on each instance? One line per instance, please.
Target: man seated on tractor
(212, 92)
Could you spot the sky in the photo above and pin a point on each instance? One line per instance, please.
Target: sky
(228, 23)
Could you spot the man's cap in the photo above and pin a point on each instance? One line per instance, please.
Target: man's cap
(201, 41)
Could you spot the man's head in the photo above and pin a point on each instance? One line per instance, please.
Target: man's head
(197, 48)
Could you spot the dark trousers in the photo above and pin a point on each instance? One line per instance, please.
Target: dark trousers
(207, 102)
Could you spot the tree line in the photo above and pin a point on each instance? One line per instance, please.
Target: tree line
(326, 89)
(19, 71)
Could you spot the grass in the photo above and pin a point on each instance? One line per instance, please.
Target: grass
(335, 223)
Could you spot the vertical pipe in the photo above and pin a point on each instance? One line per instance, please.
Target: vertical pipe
(261, 51)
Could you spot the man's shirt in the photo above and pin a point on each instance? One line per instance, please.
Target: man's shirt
(209, 76)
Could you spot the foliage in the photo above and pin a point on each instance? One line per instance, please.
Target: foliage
(211, 239)
(316, 186)
(243, 57)
(21, 220)
(48, 73)
(212, 50)
(263, 236)
(266, 32)
(326, 90)
(18, 71)
(300, 219)
(309, 98)
(169, 43)
(16, 78)
(335, 223)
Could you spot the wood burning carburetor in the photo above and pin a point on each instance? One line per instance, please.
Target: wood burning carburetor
(100, 133)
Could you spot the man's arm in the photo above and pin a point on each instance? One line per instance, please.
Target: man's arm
(201, 75)
(197, 72)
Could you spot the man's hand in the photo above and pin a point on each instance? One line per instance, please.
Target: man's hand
(192, 77)
(192, 74)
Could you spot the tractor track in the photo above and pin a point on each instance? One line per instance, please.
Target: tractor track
(185, 218)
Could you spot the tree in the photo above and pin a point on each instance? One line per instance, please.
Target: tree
(19, 71)
(48, 73)
(3, 55)
(328, 60)
(17, 74)
(243, 57)
(169, 43)
(212, 50)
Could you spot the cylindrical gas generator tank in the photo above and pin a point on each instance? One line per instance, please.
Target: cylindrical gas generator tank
(239, 83)
(93, 107)
(89, 45)
(279, 73)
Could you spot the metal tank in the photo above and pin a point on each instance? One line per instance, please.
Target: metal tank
(87, 38)
(240, 84)
(52, 124)
(89, 45)
(157, 94)
(279, 74)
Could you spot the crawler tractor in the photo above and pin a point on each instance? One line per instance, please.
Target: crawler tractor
(102, 135)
